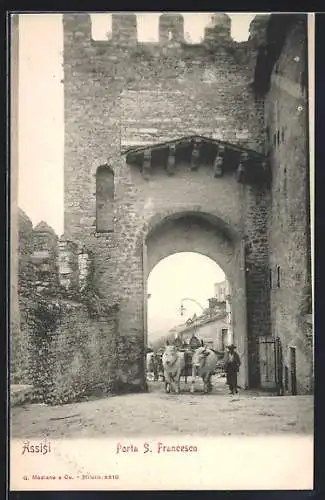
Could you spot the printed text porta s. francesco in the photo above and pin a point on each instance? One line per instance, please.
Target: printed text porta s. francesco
(157, 447)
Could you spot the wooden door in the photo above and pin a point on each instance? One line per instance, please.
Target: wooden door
(266, 352)
(293, 371)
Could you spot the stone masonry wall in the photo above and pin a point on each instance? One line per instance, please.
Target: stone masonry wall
(145, 92)
(286, 115)
(257, 273)
(66, 345)
(74, 357)
(120, 93)
(24, 276)
(67, 355)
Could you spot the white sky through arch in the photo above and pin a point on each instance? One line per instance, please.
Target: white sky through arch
(185, 274)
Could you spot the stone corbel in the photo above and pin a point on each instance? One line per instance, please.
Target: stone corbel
(195, 158)
(218, 162)
(240, 173)
(171, 159)
(146, 165)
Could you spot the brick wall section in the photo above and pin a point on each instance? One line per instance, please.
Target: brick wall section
(257, 273)
(45, 259)
(80, 355)
(113, 93)
(289, 232)
(67, 354)
(24, 276)
(117, 94)
(205, 101)
(20, 346)
(66, 342)
(25, 249)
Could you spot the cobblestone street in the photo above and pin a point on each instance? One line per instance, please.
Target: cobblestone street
(157, 413)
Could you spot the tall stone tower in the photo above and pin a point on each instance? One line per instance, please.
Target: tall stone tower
(163, 140)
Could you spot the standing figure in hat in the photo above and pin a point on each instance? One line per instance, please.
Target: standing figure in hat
(178, 342)
(195, 342)
(232, 364)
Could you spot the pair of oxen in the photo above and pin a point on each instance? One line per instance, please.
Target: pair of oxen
(204, 362)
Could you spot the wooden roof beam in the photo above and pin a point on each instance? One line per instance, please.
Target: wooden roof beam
(193, 139)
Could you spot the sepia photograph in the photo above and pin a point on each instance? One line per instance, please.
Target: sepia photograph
(161, 235)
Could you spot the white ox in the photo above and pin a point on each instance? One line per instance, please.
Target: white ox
(173, 363)
(204, 363)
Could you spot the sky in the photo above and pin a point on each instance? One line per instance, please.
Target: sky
(179, 276)
(41, 139)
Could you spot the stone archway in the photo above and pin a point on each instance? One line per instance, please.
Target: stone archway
(207, 235)
(188, 194)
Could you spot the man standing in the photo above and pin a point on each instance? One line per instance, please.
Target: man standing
(232, 364)
(194, 342)
(178, 342)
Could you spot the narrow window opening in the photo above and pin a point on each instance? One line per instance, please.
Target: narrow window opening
(104, 199)
(278, 280)
(224, 334)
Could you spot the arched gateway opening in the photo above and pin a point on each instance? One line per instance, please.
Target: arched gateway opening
(207, 235)
(188, 294)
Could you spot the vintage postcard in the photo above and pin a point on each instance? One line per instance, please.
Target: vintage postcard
(161, 332)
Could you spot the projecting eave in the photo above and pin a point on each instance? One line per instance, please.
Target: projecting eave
(187, 140)
(197, 150)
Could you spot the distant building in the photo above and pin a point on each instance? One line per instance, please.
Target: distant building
(212, 326)
(221, 291)
(213, 329)
(222, 294)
